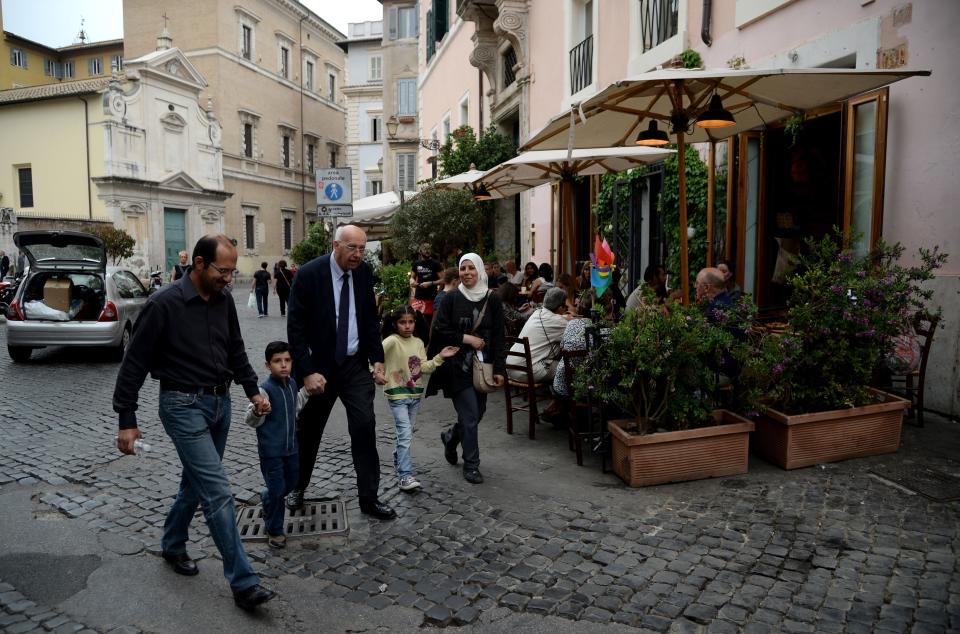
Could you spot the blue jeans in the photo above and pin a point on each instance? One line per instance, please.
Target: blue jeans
(198, 427)
(280, 476)
(405, 418)
(470, 406)
(263, 294)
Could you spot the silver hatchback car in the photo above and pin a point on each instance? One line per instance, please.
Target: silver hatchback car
(70, 297)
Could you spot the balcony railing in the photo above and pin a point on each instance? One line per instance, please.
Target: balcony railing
(658, 21)
(581, 65)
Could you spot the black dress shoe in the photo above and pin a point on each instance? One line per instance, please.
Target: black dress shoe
(295, 500)
(181, 563)
(253, 596)
(473, 476)
(449, 450)
(377, 509)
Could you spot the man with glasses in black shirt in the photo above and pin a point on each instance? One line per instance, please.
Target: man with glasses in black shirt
(188, 337)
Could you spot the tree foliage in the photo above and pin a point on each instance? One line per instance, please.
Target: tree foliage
(463, 148)
(448, 220)
(314, 245)
(394, 285)
(119, 244)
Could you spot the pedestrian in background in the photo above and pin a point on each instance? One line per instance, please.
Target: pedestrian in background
(406, 361)
(425, 280)
(188, 337)
(283, 280)
(180, 268)
(261, 287)
(4, 264)
(472, 320)
(332, 302)
(277, 438)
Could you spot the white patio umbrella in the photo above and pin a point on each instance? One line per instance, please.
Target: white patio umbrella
(373, 213)
(537, 167)
(463, 180)
(676, 98)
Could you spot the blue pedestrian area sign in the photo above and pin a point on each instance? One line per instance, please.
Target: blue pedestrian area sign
(334, 186)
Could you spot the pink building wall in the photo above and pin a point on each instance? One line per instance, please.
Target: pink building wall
(445, 81)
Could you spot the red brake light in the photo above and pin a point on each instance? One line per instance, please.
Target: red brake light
(13, 311)
(109, 312)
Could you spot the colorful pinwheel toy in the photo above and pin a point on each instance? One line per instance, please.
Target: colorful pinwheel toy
(601, 275)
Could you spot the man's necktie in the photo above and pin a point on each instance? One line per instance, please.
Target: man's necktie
(343, 320)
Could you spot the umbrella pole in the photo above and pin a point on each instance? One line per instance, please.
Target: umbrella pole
(711, 191)
(684, 262)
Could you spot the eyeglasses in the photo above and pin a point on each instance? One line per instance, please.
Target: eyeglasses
(354, 248)
(224, 272)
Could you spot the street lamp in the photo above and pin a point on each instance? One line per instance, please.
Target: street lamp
(393, 125)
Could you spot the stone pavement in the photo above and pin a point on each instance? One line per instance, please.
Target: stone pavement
(543, 545)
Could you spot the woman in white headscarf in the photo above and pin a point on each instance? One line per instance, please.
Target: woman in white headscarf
(454, 325)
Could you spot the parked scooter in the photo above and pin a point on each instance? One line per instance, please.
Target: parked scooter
(156, 280)
(8, 290)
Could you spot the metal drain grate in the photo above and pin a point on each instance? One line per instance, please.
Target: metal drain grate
(317, 517)
(930, 483)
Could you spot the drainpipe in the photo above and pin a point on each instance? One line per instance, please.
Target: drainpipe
(86, 133)
(480, 98)
(303, 142)
(705, 26)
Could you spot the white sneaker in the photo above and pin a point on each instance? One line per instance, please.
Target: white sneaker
(409, 483)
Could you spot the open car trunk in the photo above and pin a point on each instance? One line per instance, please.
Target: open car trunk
(64, 296)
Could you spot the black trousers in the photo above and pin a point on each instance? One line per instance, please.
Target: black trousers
(283, 293)
(353, 385)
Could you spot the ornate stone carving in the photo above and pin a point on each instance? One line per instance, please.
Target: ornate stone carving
(175, 68)
(484, 53)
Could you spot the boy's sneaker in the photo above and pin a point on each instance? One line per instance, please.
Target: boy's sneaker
(277, 541)
(409, 483)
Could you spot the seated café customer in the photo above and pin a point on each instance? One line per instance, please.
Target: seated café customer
(530, 275)
(574, 336)
(513, 316)
(545, 281)
(712, 293)
(655, 282)
(514, 275)
(569, 285)
(544, 330)
(733, 289)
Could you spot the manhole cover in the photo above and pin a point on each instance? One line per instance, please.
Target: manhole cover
(936, 485)
(317, 517)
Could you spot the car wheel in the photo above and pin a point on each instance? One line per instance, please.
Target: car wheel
(124, 342)
(19, 354)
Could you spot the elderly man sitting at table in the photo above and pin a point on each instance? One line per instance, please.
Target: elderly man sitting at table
(544, 330)
(712, 291)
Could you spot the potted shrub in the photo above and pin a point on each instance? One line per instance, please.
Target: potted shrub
(846, 308)
(658, 369)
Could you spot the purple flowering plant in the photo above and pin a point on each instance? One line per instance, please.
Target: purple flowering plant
(845, 310)
(658, 366)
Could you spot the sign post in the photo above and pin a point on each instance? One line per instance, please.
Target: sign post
(334, 188)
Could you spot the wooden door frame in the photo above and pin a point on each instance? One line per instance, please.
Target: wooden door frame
(882, 97)
(743, 163)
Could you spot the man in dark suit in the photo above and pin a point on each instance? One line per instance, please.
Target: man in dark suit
(334, 335)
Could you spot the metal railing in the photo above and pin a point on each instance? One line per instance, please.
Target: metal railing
(509, 61)
(659, 20)
(581, 65)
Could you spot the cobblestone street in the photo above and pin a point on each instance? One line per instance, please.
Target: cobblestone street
(542, 545)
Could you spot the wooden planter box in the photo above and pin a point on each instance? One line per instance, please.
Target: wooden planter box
(678, 456)
(802, 440)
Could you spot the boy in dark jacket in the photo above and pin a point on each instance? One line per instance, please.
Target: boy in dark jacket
(277, 438)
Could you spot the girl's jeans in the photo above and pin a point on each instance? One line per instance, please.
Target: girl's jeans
(405, 417)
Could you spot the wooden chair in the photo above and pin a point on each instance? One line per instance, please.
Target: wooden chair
(910, 385)
(521, 362)
(571, 406)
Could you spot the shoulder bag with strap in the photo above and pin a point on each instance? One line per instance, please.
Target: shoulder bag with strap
(552, 360)
(482, 372)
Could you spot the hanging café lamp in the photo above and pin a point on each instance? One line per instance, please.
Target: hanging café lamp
(715, 116)
(652, 136)
(481, 193)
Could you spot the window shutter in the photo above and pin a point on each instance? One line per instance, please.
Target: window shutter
(431, 42)
(401, 171)
(90, 66)
(416, 20)
(392, 22)
(23, 56)
(13, 57)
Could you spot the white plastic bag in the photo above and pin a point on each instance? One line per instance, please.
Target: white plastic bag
(252, 302)
(36, 309)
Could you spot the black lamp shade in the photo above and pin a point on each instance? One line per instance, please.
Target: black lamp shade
(715, 116)
(481, 193)
(652, 136)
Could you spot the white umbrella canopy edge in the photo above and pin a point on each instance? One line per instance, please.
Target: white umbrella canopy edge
(755, 97)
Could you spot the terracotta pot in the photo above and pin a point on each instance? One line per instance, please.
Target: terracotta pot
(678, 456)
(802, 440)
